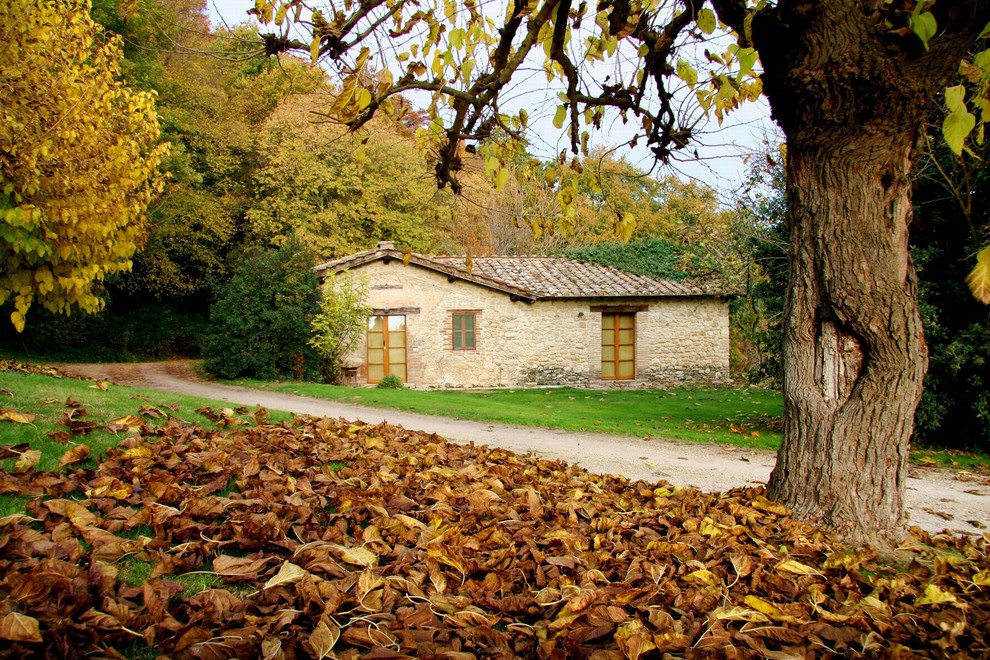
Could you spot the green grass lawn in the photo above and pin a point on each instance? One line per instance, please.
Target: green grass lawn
(744, 416)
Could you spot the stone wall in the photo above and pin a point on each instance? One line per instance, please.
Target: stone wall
(520, 344)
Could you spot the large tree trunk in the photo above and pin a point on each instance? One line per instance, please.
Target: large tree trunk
(851, 96)
(854, 353)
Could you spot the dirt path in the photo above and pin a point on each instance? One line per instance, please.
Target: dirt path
(937, 499)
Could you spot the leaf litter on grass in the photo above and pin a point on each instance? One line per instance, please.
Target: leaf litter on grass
(421, 548)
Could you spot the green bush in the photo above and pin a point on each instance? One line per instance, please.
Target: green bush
(954, 412)
(652, 257)
(342, 319)
(955, 406)
(259, 328)
(390, 382)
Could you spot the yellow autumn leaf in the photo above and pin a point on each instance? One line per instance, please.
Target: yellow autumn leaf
(702, 577)
(74, 455)
(634, 639)
(625, 227)
(706, 20)
(501, 178)
(709, 528)
(27, 460)
(137, 452)
(314, 49)
(8, 415)
(979, 278)
(797, 568)
(739, 613)
(830, 616)
(357, 556)
(687, 73)
(935, 595)
(362, 98)
(434, 552)
(118, 491)
(982, 579)
(845, 559)
(128, 421)
(18, 320)
(77, 514)
(763, 606)
(761, 503)
(289, 573)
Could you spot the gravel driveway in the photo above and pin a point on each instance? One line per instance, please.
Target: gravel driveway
(937, 499)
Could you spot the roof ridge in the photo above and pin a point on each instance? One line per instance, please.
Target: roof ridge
(540, 276)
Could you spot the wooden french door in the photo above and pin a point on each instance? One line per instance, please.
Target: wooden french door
(386, 347)
(618, 346)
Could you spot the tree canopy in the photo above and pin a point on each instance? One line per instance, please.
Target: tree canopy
(336, 190)
(79, 157)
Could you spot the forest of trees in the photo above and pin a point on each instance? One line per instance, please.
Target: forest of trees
(254, 165)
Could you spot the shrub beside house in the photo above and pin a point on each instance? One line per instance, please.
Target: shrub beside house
(457, 322)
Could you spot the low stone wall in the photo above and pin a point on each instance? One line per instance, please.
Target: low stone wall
(676, 376)
(547, 375)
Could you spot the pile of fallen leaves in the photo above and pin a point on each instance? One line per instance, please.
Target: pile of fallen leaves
(339, 539)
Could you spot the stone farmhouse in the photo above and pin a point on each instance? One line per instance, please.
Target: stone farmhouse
(451, 322)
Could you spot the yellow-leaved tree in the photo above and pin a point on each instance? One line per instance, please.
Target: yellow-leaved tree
(79, 157)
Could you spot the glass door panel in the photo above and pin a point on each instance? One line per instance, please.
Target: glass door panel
(386, 347)
(618, 346)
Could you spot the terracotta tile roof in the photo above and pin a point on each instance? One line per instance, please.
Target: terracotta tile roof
(536, 278)
(557, 277)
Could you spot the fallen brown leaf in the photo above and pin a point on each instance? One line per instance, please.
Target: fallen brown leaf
(16, 627)
(74, 455)
(9, 415)
(344, 539)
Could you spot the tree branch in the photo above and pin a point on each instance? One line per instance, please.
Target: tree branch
(733, 13)
(560, 27)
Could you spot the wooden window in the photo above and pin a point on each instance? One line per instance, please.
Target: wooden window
(386, 347)
(618, 346)
(463, 335)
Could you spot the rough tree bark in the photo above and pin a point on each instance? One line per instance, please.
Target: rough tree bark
(851, 96)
